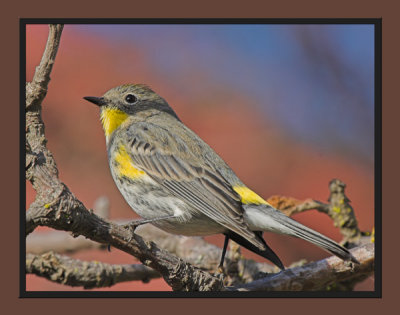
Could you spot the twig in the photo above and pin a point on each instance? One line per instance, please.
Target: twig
(61, 241)
(338, 209)
(40, 167)
(342, 212)
(58, 241)
(37, 89)
(88, 274)
(319, 275)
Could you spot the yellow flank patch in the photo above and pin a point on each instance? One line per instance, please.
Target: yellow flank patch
(248, 196)
(125, 165)
(112, 118)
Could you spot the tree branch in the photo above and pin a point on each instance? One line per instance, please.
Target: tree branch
(93, 274)
(40, 167)
(61, 241)
(37, 89)
(55, 206)
(206, 256)
(338, 209)
(58, 241)
(69, 214)
(319, 275)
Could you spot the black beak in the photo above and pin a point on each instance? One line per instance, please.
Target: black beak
(99, 101)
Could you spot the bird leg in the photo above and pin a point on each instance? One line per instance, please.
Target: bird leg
(221, 263)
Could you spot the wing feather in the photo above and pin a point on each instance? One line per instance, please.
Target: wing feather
(188, 176)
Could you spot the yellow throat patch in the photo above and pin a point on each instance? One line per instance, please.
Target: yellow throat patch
(125, 165)
(111, 119)
(248, 196)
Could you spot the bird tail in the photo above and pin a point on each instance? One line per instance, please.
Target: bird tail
(267, 252)
(266, 218)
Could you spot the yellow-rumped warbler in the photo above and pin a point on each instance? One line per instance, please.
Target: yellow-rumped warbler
(174, 180)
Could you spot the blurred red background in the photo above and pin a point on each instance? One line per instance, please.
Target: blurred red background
(266, 158)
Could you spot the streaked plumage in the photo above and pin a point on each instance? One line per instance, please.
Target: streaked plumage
(163, 168)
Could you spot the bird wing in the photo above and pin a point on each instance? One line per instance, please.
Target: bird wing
(187, 174)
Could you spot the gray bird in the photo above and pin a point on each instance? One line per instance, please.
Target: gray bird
(175, 181)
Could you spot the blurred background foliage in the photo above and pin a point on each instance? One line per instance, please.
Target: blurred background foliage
(289, 107)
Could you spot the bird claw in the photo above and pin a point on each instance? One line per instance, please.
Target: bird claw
(219, 275)
(131, 227)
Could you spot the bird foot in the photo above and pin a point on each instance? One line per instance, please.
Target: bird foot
(131, 227)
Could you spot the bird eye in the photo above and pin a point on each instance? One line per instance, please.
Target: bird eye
(130, 98)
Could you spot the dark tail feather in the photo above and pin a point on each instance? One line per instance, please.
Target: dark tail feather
(267, 253)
